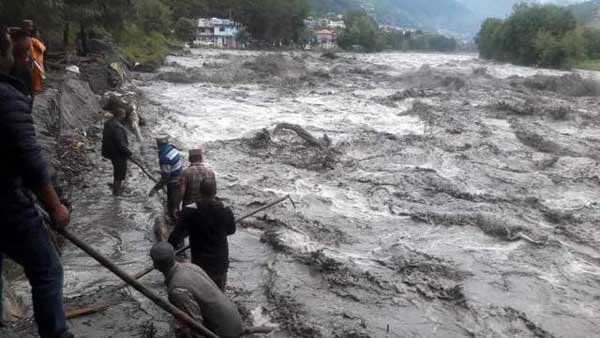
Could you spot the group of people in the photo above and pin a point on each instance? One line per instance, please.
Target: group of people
(25, 185)
(192, 205)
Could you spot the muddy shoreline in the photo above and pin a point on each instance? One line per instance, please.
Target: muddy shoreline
(457, 197)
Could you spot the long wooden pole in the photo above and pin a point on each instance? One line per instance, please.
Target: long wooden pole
(163, 303)
(144, 170)
(149, 269)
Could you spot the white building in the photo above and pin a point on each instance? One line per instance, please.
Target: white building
(217, 32)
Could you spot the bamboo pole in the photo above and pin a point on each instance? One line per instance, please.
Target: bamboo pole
(163, 303)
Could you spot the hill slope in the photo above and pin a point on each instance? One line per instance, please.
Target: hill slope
(588, 12)
(448, 15)
(458, 16)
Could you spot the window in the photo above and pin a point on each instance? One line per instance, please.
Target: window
(222, 28)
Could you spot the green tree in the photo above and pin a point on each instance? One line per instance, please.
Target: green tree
(185, 29)
(187, 9)
(592, 43)
(275, 22)
(547, 35)
(485, 39)
(361, 30)
(153, 15)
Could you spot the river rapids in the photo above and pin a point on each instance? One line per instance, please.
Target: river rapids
(452, 198)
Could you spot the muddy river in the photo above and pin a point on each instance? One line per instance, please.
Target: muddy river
(449, 197)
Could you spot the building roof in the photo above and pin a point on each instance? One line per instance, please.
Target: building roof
(212, 22)
(325, 32)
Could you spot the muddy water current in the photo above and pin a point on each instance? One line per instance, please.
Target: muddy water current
(450, 197)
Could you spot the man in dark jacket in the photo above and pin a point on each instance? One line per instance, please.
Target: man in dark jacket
(23, 236)
(115, 147)
(208, 226)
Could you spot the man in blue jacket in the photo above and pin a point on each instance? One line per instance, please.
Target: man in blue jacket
(171, 167)
(23, 235)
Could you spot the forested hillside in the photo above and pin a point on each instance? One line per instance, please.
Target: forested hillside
(447, 15)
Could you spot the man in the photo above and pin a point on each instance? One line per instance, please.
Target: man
(115, 147)
(192, 291)
(192, 177)
(22, 67)
(208, 226)
(24, 237)
(37, 54)
(171, 167)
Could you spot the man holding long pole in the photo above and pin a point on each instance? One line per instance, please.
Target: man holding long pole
(24, 237)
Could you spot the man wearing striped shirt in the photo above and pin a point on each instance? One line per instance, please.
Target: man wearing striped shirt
(171, 167)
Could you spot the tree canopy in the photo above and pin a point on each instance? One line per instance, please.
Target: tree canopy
(545, 35)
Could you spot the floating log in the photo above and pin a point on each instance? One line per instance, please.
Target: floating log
(301, 132)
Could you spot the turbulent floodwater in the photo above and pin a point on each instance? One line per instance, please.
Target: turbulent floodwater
(458, 198)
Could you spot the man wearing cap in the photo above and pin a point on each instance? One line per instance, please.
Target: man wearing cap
(205, 219)
(171, 167)
(115, 147)
(192, 178)
(190, 289)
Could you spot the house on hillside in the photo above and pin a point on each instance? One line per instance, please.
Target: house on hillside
(326, 38)
(222, 33)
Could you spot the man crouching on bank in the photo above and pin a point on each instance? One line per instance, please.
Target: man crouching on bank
(191, 290)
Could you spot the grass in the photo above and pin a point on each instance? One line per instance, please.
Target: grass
(588, 65)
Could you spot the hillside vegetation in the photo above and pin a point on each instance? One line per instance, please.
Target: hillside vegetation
(544, 35)
(144, 30)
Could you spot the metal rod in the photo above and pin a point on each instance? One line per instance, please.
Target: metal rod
(163, 303)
